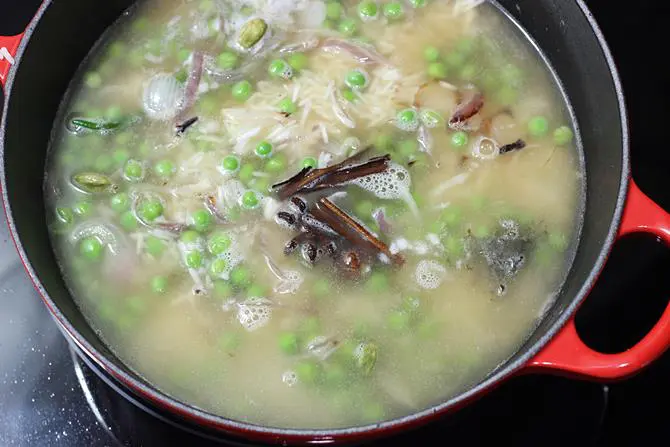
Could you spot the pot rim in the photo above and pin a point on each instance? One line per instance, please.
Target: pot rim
(211, 420)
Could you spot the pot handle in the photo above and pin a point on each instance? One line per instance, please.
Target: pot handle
(568, 354)
(8, 47)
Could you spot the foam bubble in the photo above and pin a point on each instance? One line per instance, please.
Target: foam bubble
(254, 313)
(430, 274)
(233, 257)
(394, 183)
(290, 378)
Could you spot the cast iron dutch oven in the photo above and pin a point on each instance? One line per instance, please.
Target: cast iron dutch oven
(37, 66)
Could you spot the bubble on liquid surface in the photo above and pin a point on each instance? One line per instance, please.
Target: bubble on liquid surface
(394, 183)
(254, 313)
(430, 274)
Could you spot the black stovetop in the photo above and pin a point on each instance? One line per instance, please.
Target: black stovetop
(50, 397)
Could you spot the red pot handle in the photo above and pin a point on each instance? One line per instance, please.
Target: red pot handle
(8, 48)
(567, 353)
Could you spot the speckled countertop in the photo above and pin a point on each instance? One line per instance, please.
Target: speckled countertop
(41, 402)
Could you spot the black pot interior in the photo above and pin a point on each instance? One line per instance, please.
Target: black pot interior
(69, 28)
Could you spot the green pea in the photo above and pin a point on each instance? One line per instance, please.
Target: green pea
(563, 136)
(103, 163)
(373, 412)
(482, 231)
(123, 138)
(120, 156)
(287, 106)
(333, 10)
(133, 170)
(279, 68)
(219, 243)
(164, 168)
(417, 3)
(428, 329)
(264, 149)
(222, 289)
(511, 75)
(310, 326)
(407, 148)
(189, 236)
(276, 164)
(356, 79)
(321, 287)
(377, 283)
(309, 162)
(468, 72)
(202, 219)
(229, 341)
(298, 61)
(140, 24)
(398, 320)
(93, 80)
(407, 120)
(288, 343)
(478, 202)
(393, 10)
(246, 172)
(364, 209)
(136, 305)
(227, 60)
(218, 266)
(151, 209)
(242, 90)
(451, 216)
(334, 374)
(82, 209)
(154, 246)
(367, 9)
(328, 24)
(208, 104)
(65, 215)
(347, 27)
(538, 126)
(349, 95)
(431, 118)
(91, 248)
(307, 372)
(240, 276)
(558, 241)
(249, 200)
(128, 221)
(260, 184)
(437, 70)
(507, 95)
(454, 59)
(459, 139)
(256, 291)
(194, 259)
(183, 55)
(231, 163)
(431, 54)
(116, 49)
(454, 246)
(384, 141)
(159, 284)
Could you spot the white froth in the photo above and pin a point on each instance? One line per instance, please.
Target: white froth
(394, 183)
(430, 274)
(254, 313)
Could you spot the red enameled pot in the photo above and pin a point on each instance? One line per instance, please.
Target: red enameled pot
(37, 66)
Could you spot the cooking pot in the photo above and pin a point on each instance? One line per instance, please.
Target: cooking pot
(37, 66)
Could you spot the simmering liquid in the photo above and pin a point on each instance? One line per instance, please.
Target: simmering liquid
(314, 215)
